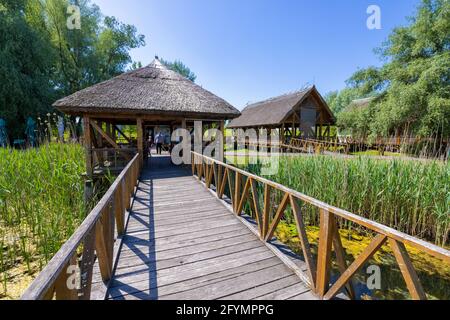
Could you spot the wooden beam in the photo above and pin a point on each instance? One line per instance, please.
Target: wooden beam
(306, 248)
(243, 197)
(88, 145)
(104, 135)
(373, 247)
(122, 134)
(278, 216)
(340, 259)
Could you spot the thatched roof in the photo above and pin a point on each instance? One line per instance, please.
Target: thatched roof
(150, 90)
(275, 111)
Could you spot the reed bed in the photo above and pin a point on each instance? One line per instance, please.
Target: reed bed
(41, 205)
(410, 196)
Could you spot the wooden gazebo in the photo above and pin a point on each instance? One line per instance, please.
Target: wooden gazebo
(149, 97)
(300, 114)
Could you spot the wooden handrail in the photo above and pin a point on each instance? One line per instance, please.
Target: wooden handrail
(96, 234)
(329, 238)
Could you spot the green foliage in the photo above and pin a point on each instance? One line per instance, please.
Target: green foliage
(96, 52)
(25, 69)
(39, 209)
(407, 195)
(181, 68)
(413, 86)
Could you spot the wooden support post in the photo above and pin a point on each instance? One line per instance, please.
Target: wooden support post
(88, 145)
(219, 181)
(114, 133)
(373, 247)
(324, 252)
(283, 134)
(340, 258)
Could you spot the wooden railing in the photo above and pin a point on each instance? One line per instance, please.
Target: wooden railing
(112, 158)
(68, 275)
(243, 190)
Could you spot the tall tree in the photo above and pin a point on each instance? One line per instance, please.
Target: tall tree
(95, 52)
(43, 58)
(25, 69)
(181, 68)
(413, 86)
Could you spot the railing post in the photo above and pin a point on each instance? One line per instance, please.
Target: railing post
(324, 252)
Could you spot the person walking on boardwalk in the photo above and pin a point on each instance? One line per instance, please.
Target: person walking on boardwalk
(159, 140)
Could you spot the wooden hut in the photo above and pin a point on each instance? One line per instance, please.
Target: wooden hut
(300, 114)
(149, 98)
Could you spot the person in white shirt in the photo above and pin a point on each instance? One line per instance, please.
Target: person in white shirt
(159, 140)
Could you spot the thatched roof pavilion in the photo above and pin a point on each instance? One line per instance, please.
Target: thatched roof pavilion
(148, 97)
(302, 112)
(148, 91)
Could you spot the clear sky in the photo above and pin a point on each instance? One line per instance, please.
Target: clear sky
(248, 50)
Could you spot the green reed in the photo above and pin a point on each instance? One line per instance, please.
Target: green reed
(41, 204)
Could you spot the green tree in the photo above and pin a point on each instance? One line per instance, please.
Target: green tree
(42, 59)
(181, 68)
(96, 52)
(25, 69)
(413, 86)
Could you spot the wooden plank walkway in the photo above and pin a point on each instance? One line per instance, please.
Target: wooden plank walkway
(181, 242)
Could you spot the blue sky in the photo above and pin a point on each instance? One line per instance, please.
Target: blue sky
(248, 50)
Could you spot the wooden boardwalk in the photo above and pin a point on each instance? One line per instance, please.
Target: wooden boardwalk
(181, 242)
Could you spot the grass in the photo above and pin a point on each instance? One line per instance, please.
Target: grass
(41, 205)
